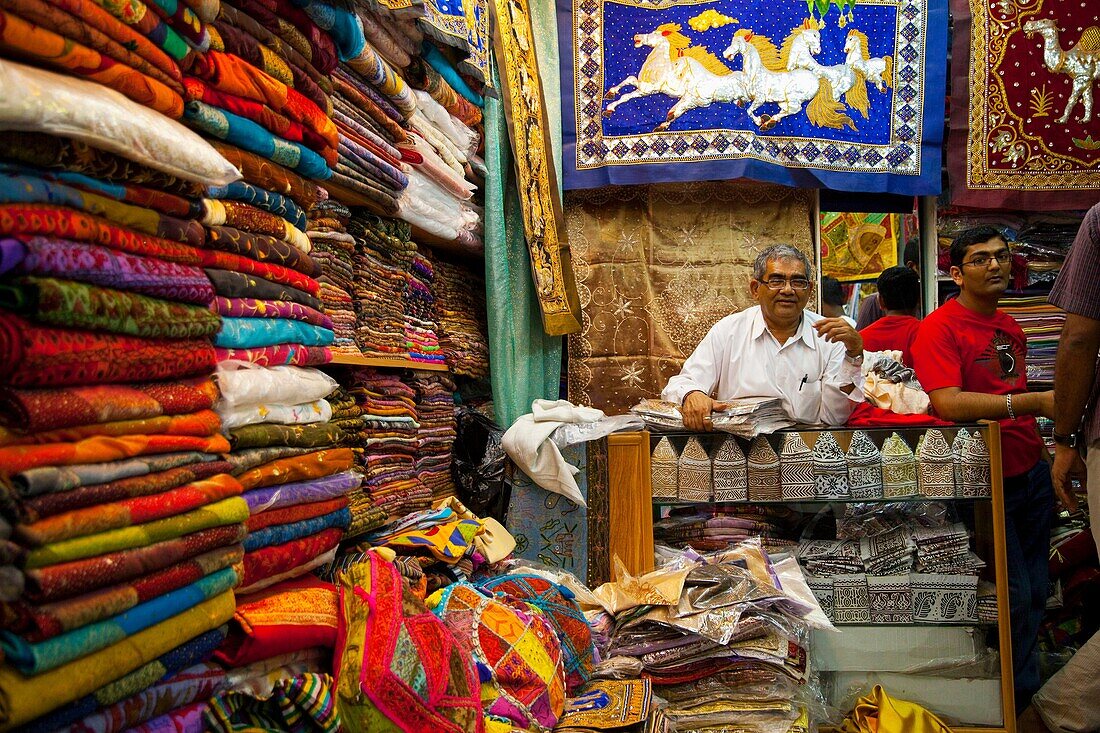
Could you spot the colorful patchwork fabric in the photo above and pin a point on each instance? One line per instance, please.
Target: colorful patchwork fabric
(448, 542)
(399, 668)
(301, 704)
(518, 655)
(560, 608)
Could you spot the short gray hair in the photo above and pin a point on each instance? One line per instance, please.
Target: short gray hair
(780, 252)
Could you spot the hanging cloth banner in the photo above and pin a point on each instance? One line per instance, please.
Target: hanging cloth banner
(543, 223)
(849, 98)
(1023, 131)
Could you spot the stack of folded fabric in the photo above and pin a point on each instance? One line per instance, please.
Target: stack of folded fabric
(420, 327)
(289, 460)
(126, 529)
(334, 252)
(435, 410)
(383, 254)
(1042, 325)
(718, 526)
(825, 558)
(460, 312)
(389, 442)
(945, 550)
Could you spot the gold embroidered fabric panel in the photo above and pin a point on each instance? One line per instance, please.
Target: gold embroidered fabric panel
(538, 189)
(656, 267)
(1024, 133)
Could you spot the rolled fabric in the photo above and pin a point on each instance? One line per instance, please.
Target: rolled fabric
(314, 435)
(128, 512)
(50, 479)
(70, 304)
(253, 219)
(36, 411)
(72, 225)
(269, 201)
(221, 513)
(65, 580)
(25, 39)
(239, 285)
(345, 85)
(300, 414)
(243, 133)
(245, 385)
(280, 562)
(40, 356)
(204, 422)
(160, 201)
(295, 513)
(262, 248)
(226, 261)
(52, 653)
(182, 19)
(15, 459)
(207, 10)
(24, 698)
(77, 28)
(248, 333)
(326, 488)
(282, 48)
(298, 468)
(265, 173)
(283, 533)
(253, 308)
(137, 14)
(280, 355)
(296, 27)
(50, 504)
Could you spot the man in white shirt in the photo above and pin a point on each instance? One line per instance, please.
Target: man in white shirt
(774, 349)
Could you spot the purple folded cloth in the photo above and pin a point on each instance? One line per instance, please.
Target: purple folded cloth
(303, 492)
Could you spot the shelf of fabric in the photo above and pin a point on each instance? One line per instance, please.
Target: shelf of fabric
(819, 502)
(387, 363)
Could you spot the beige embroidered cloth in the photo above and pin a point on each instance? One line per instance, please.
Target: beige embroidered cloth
(656, 267)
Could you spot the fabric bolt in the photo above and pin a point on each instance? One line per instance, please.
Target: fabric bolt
(287, 560)
(63, 23)
(71, 304)
(70, 224)
(37, 623)
(49, 479)
(289, 69)
(865, 480)
(291, 55)
(74, 156)
(104, 267)
(379, 677)
(28, 190)
(128, 512)
(279, 13)
(188, 654)
(244, 133)
(180, 18)
(67, 579)
(239, 285)
(241, 385)
(226, 261)
(315, 435)
(247, 333)
(224, 512)
(318, 411)
(263, 172)
(35, 508)
(24, 698)
(281, 355)
(44, 656)
(204, 422)
(125, 192)
(16, 459)
(36, 411)
(25, 39)
(256, 308)
(298, 468)
(830, 468)
(294, 513)
(249, 218)
(281, 534)
(269, 201)
(263, 500)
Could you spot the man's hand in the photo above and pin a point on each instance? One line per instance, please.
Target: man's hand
(1067, 465)
(696, 411)
(839, 330)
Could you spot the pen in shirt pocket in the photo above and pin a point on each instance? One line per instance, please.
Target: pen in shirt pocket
(803, 382)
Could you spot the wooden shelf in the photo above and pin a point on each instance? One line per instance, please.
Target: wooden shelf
(387, 363)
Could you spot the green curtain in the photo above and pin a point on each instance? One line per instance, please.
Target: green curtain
(525, 363)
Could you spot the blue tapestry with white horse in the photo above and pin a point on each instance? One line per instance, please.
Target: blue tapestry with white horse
(840, 94)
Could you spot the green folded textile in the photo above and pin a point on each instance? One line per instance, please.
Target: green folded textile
(228, 511)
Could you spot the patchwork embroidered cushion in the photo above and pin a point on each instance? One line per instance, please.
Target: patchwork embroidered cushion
(399, 668)
(566, 617)
(518, 654)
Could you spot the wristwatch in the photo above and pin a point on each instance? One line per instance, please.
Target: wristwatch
(1073, 440)
(857, 360)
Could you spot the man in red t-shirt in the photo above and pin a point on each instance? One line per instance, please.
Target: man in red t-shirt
(969, 357)
(899, 293)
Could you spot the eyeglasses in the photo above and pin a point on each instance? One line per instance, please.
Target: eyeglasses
(778, 283)
(1003, 257)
